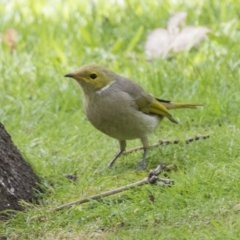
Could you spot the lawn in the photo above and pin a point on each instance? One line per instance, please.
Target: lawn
(43, 113)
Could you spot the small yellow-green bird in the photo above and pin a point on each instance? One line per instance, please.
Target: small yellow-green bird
(120, 108)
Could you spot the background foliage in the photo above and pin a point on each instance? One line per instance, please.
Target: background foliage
(43, 113)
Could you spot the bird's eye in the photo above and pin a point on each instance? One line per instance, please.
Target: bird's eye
(93, 76)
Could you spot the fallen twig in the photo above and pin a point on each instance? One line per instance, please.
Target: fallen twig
(152, 178)
(167, 142)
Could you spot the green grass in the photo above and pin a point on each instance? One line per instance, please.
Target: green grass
(43, 112)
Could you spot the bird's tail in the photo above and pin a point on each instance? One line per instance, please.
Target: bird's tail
(170, 105)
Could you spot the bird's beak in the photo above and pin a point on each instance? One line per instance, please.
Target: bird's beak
(70, 75)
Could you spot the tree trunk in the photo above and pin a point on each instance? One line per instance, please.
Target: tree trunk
(17, 179)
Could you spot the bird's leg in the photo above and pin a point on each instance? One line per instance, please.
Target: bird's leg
(122, 145)
(143, 163)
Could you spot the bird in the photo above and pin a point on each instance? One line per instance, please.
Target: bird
(120, 108)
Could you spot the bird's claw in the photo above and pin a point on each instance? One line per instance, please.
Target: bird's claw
(142, 165)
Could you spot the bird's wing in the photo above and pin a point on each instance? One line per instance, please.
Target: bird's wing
(145, 102)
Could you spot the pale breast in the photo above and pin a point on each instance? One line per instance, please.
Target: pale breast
(115, 114)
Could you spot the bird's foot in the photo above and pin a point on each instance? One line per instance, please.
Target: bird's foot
(118, 154)
(142, 165)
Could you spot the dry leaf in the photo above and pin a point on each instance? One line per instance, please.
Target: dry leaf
(9, 37)
(189, 37)
(176, 22)
(161, 41)
(157, 43)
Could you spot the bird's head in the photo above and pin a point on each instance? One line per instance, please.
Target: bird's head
(92, 76)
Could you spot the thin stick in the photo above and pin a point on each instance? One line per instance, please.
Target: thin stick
(151, 178)
(167, 142)
(101, 195)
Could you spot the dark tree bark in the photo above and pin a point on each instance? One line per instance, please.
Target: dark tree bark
(17, 179)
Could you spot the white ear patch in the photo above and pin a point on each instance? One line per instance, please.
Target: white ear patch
(104, 88)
